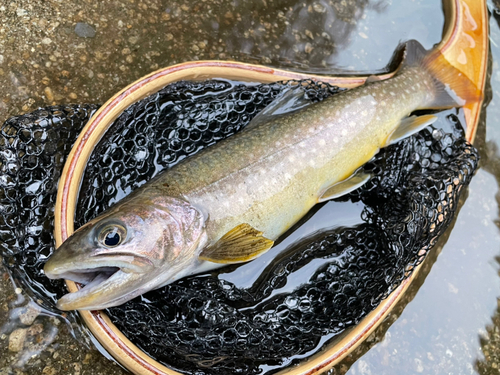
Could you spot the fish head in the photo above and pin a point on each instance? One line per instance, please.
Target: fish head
(134, 247)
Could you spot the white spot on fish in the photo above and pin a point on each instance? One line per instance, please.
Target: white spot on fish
(322, 142)
(364, 113)
(383, 103)
(335, 140)
(344, 132)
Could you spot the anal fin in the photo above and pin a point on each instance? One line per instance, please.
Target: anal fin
(240, 244)
(353, 182)
(410, 126)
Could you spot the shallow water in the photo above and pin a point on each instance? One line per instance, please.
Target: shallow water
(445, 324)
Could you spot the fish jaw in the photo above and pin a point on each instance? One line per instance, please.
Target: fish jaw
(105, 282)
(100, 293)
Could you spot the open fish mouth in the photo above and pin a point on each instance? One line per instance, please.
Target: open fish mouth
(89, 277)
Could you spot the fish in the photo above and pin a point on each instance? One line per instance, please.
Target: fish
(230, 202)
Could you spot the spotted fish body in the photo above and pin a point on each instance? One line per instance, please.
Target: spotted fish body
(228, 203)
(280, 169)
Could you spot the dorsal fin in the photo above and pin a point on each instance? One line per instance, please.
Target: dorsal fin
(292, 99)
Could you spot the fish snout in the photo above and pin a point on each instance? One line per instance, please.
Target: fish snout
(55, 267)
(50, 269)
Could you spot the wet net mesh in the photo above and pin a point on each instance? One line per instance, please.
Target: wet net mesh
(206, 324)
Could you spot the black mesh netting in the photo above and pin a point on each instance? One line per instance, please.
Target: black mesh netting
(33, 148)
(206, 323)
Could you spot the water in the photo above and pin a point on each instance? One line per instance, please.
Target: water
(445, 324)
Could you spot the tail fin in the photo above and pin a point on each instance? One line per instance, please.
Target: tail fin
(453, 87)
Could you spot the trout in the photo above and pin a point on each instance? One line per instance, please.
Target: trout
(230, 202)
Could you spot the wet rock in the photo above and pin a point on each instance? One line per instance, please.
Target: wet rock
(319, 8)
(16, 339)
(419, 365)
(21, 12)
(87, 359)
(84, 30)
(35, 329)
(49, 370)
(49, 94)
(29, 313)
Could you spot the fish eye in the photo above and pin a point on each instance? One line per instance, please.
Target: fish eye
(112, 235)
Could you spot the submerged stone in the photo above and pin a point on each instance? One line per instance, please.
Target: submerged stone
(84, 30)
(16, 339)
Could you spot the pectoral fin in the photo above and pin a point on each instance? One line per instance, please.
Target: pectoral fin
(410, 126)
(356, 180)
(240, 244)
